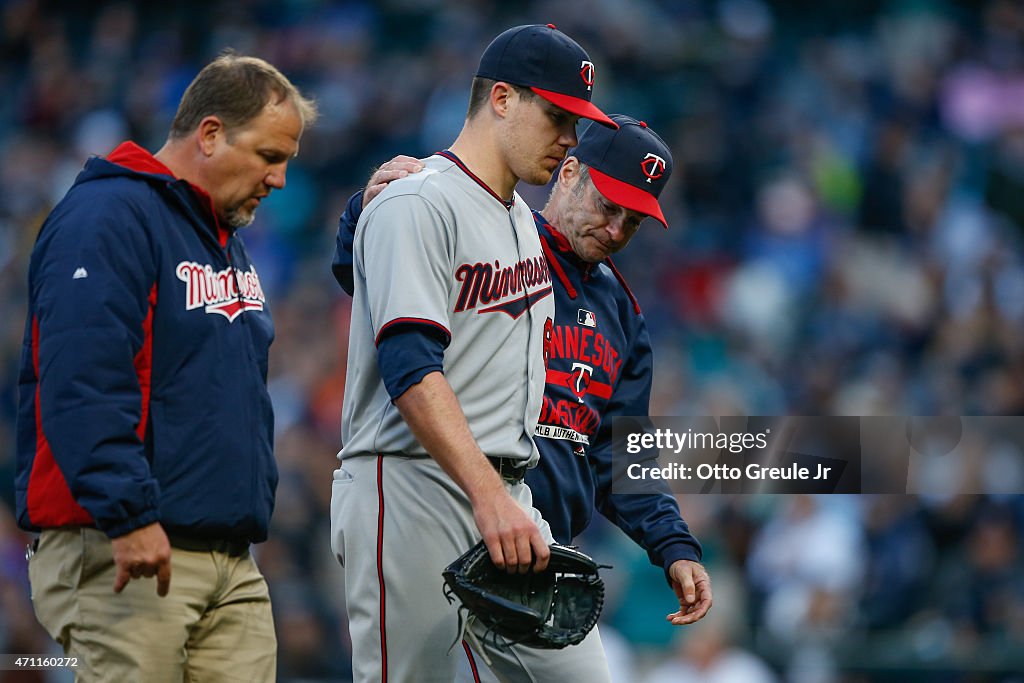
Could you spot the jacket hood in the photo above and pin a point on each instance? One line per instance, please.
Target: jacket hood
(127, 159)
(131, 160)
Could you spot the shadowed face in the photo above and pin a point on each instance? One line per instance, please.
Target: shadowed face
(536, 137)
(595, 226)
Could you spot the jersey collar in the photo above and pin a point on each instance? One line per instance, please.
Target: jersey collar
(448, 154)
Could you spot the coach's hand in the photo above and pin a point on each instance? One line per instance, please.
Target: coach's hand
(398, 167)
(692, 585)
(513, 540)
(143, 552)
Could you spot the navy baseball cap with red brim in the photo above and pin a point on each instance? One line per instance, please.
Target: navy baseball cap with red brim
(629, 165)
(548, 62)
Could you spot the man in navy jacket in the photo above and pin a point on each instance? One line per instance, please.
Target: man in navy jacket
(600, 362)
(145, 428)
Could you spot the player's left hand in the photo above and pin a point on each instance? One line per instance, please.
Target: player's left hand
(692, 585)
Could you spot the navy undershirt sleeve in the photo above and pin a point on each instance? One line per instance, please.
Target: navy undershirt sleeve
(342, 264)
(408, 354)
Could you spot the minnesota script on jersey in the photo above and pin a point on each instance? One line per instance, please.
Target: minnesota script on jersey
(439, 248)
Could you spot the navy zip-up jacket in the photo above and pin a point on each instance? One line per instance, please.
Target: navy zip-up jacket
(599, 367)
(143, 373)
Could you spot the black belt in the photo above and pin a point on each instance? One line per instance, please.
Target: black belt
(209, 545)
(512, 471)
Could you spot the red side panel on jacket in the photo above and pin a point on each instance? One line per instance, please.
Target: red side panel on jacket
(50, 503)
(144, 364)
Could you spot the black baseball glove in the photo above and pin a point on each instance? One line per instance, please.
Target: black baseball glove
(549, 609)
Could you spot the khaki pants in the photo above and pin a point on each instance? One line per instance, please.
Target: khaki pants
(214, 625)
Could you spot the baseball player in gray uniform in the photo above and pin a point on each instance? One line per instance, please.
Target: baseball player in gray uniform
(451, 309)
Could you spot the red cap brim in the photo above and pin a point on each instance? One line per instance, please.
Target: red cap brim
(627, 195)
(577, 106)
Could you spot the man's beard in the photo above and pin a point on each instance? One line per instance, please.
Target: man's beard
(239, 217)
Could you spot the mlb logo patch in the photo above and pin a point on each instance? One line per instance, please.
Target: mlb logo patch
(586, 318)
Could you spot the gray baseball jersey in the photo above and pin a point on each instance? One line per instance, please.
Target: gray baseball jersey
(440, 248)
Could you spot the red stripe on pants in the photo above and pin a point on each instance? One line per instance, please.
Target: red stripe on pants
(380, 568)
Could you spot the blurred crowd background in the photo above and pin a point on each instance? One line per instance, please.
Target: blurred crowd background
(847, 217)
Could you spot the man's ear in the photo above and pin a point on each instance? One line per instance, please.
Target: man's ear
(569, 172)
(501, 95)
(208, 131)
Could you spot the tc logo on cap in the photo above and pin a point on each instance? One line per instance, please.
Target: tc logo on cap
(653, 166)
(587, 73)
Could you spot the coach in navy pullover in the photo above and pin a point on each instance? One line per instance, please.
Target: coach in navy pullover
(600, 362)
(145, 428)
(143, 375)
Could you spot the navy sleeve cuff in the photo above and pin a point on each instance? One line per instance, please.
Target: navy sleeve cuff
(408, 354)
(129, 525)
(342, 264)
(681, 551)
